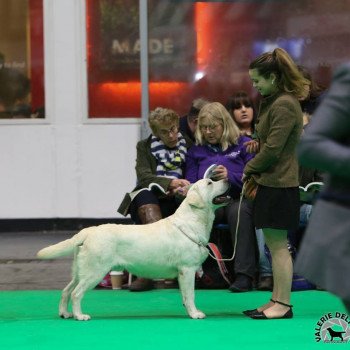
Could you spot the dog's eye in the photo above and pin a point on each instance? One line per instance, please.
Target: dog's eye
(210, 182)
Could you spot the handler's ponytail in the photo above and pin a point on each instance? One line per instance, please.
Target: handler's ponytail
(288, 76)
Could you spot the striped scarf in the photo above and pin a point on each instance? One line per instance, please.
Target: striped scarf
(169, 160)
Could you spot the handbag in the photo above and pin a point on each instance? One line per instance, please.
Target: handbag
(250, 188)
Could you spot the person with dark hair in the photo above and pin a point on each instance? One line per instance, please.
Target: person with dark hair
(315, 94)
(324, 257)
(188, 123)
(242, 110)
(160, 160)
(14, 90)
(306, 174)
(275, 168)
(2, 60)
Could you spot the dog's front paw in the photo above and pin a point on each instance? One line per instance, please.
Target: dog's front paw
(197, 314)
(65, 314)
(82, 317)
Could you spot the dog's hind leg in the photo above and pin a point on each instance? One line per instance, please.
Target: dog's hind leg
(77, 296)
(186, 282)
(86, 282)
(65, 297)
(67, 291)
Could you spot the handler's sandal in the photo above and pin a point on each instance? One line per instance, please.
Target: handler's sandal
(141, 285)
(261, 315)
(251, 312)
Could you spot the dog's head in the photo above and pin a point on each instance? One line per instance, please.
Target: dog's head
(207, 192)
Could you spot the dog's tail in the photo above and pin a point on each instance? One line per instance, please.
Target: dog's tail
(65, 247)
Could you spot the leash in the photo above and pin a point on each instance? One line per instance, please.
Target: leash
(236, 232)
(202, 245)
(211, 247)
(221, 265)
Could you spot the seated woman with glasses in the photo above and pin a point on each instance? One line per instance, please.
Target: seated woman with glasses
(160, 160)
(219, 142)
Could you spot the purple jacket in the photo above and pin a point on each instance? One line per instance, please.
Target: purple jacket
(234, 159)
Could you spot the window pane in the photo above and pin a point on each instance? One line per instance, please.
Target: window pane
(172, 53)
(203, 49)
(113, 45)
(21, 59)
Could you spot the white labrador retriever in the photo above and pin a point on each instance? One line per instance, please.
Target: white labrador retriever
(169, 248)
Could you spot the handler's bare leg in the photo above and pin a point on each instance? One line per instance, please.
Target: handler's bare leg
(282, 269)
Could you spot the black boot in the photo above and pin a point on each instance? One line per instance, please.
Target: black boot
(265, 283)
(141, 285)
(149, 213)
(242, 283)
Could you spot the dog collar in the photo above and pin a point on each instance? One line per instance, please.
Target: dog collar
(199, 243)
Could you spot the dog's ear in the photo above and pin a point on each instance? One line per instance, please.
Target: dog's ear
(195, 199)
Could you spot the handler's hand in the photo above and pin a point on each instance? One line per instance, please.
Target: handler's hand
(252, 146)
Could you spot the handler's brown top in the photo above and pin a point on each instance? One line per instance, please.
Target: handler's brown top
(278, 130)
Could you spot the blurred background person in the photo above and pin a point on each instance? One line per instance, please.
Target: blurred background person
(188, 123)
(315, 94)
(309, 103)
(324, 257)
(14, 94)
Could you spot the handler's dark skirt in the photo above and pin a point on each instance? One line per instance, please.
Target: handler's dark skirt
(276, 208)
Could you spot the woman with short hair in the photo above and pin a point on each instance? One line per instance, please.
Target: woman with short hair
(160, 160)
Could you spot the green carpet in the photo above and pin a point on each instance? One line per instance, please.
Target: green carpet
(157, 320)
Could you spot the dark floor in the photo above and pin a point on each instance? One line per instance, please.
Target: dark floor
(21, 270)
